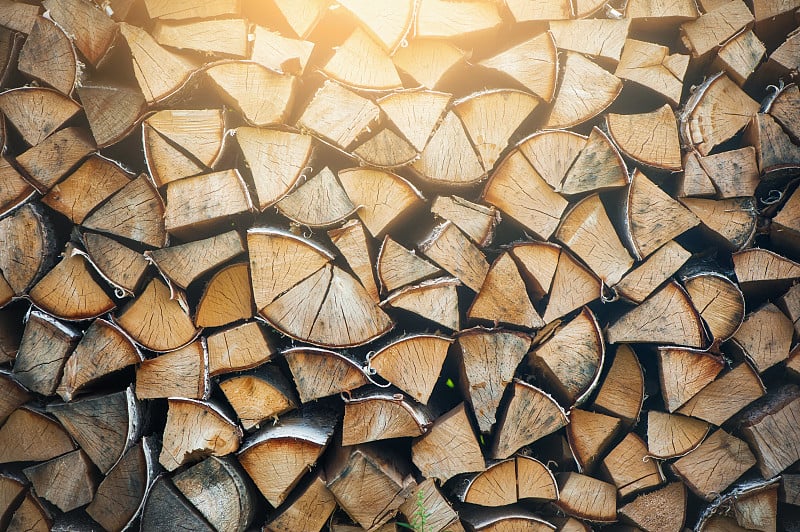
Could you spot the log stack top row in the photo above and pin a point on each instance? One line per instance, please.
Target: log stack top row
(412, 264)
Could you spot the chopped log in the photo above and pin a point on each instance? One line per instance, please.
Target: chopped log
(12, 395)
(227, 297)
(280, 53)
(412, 363)
(156, 321)
(589, 435)
(684, 372)
(671, 435)
(196, 132)
(511, 518)
(666, 317)
(355, 246)
(361, 63)
(452, 250)
(389, 25)
(15, 190)
(716, 404)
(492, 303)
(758, 268)
(587, 498)
(194, 430)
(182, 264)
(374, 415)
(238, 81)
(302, 18)
(435, 300)
(783, 110)
(535, 480)
(719, 302)
(31, 515)
(319, 202)
(441, 19)
(599, 166)
(639, 283)
(601, 39)
(793, 364)
(573, 286)
(785, 226)
(67, 481)
(18, 16)
(12, 492)
(103, 349)
(582, 76)
(239, 348)
(507, 481)
(477, 221)
(529, 415)
(183, 9)
(278, 455)
(165, 161)
(415, 113)
(48, 56)
(320, 372)
(36, 112)
(31, 436)
(630, 468)
(309, 509)
(661, 151)
(789, 303)
(120, 266)
(783, 60)
(449, 159)
(105, 426)
(714, 465)
(733, 221)
(651, 66)
(587, 231)
(538, 262)
(734, 173)
(790, 489)
(368, 483)
(488, 359)
(43, 350)
(553, 152)
(181, 373)
(259, 396)
(715, 27)
(432, 455)
(775, 151)
(382, 197)
(740, 56)
(533, 64)
(769, 427)
(694, 181)
(103, 101)
(386, 149)
(428, 60)
(765, 337)
(622, 391)
(398, 266)
(53, 158)
(663, 509)
(78, 16)
(426, 506)
(225, 37)
(524, 11)
(165, 507)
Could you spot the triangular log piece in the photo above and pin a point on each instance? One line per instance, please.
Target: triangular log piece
(156, 321)
(662, 149)
(14, 190)
(165, 507)
(714, 465)
(639, 283)
(789, 303)
(573, 286)
(587, 498)
(441, 19)
(716, 111)
(221, 491)
(88, 186)
(765, 337)
(599, 166)
(68, 481)
(201, 203)
(538, 262)
(195, 430)
(630, 468)
(46, 343)
(582, 76)
(740, 56)
(534, 480)
(91, 29)
(510, 518)
(36, 112)
(389, 24)
(319, 372)
(785, 226)
(716, 403)
(12, 395)
(158, 72)
(102, 350)
(656, 12)
(751, 506)
(302, 18)
(769, 428)
(650, 65)
(227, 37)
(784, 110)
(719, 301)
(260, 395)
(309, 508)
(181, 373)
(136, 212)
(497, 486)
(589, 435)
(361, 63)
(601, 39)
(694, 181)
(369, 484)
(49, 56)
(183, 9)
(435, 300)
(553, 152)
(663, 509)
(452, 250)
(734, 173)
(524, 11)
(587, 231)
(667, 317)
(198, 132)
(733, 220)
(398, 266)
(428, 60)
(13, 489)
(488, 359)
(533, 64)
(449, 159)
(29, 435)
(53, 158)
(319, 202)
(415, 113)
(375, 415)
(337, 311)
(239, 82)
(529, 415)
(31, 514)
(571, 359)
(119, 497)
(166, 162)
(280, 53)
(101, 102)
(184, 263)
(386, 149)
(381, 197)
(355, 245)
(774, 149)
(493, 304)
(491, 117)
(427, 506)
(19, 17)
(239, 348)
(517, 189)
(622, 392)
(715, 27)
(277, 159)
(672, 435)
(684, 372)
(758, 268)
(277, 456)
(228, 297)
(432, 454)
(477, 221)
(412, 363)
(338, 115)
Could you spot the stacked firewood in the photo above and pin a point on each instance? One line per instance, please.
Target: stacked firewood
(507, 265)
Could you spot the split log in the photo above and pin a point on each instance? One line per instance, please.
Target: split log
(37, 112)
(663, 509)
(508, 481)
(18, 16)
(373, 415)
(525, 63)
(587, 498)
(29, 435)
(31, 515)
(643, 280)
(760, 268)
(12, 492)
(361, 63)
(651, 66)
(102, 101)
(67, 481)
(452, 250)
(48, 56)
(227, 297)
(765, 337)
(435, 300)
(716, 404)
(227, 37)
(512, 518)
(437, 18)
(630, 468)
(181, 373)
(749, 506)
(789, 303)
(719, 302)
(165, 506)
(54, 157)
(740, 56)
(452, 430)
(258, 396)
(238, 81)
(15, 189)
(426, 506)
(715, 27)
(732, 221)
(302, 18)
(319, 202)
(662, 151)
(319, 372)
(582, 76)
(622, 391)
(694, 182)
(776, 153)
(184, 9)
(685, 372)
(75, 16)
(309, 510)
(43, 351)
(428, 60)
(598, 38)
(589, 435)
(338, 115)
(770, 429)
(598, 167)
(280, 53)
(670, 435)
(476, 221)
(399, 267)
(356, 247)
(525, 11)
(449, 159)
(12, 395)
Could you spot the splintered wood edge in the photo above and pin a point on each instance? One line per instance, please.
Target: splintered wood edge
(744, 489)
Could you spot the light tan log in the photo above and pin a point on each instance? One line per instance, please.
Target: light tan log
(622, 391)
(716, 404)
(527, 62)
(765, 337)
(630, 468)
(49, 56)
(684, 372)
(259, 396)
(302, 18)
(184, 263)
(650, 65)
(415, 113)
(715, 27)
(449, 159)
(435, 300)
(319, 202)
(319, 372)
(36, 112)
(589, 435)
(732, 221)
(361, 63)
(338, 115)
(102, 101)
(15, 190)
(428, 60)
(181, 373)
(375, 414)
(663, 509)
(426, 506)
(582, 76)
(662, 149)
(477, 221)
(43, 350)
(553, 152)
(30, 435)
(492, 303)
(412, 363)
(599, 38)
(770, 429)
(720, 303)
(239, 82)
(511, 518)
(432, 455)
(789, 303)
(12, 395)
(91, 29)
(774, 149)
(639, 283)
(183, 9)
(309, 508)
(398, 266)
(452, 250)
(441, 19)
(671, 435)
(740, 56)
(226, 37)
(53, 158)
(587, 498)
(599, 166)
(68, 481)
(386, 149)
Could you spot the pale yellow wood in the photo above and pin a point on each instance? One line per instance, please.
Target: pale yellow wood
(671, 435)
(264, 96)
(765, 336)
(449, 159)
(428, 60)
(640, 282)
(436, 300)
(302, 17)
(362, 63)
(198, 132)
(573, 286)
(452, 250)
(280, 53)
(477, 221)
(652, 66)
(630, 468)
(720, 303)
(389, 23)
(684, 372)
(622, 392)
(440, 18)
(599, 38)
(319, 202)
(239, 348)
(586, 497)
(355, 246)
(661, 149)
(585, 91)
(413, 363)
(526, 10)
(741, 55)
(415, 113)
(714, 402)
(527, 62)
(398, 266)
(338, 114)
(599, 166)
(715, 27)
(552, 153)
(453, 430)
(223, 36)
(181, 9)
(493, 305)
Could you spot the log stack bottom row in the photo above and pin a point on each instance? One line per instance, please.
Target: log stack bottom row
(438, 265)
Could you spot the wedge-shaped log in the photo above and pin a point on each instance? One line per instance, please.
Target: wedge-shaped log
(599, 38)
(661, 151)
(165, 506)
(694, 181)
(355, 245)
(386, 149)
(492, 303)
(239, 82)
(477, 221)
(374, 415)
(452, 250)
(12, 395)
(663, 509)
(508, 481)
(15, 189)
(428, 60)
(31, 515)
(438, 515)
(512, 518)
(716, 403)
(226, 37)
(184, 263)
(622, 391)
(776, 153)
(53, 158)
(770, 429)
(765, 337)
(338, 115)
(320, 372)
(684, 372)
(20, 17)
(228, 297)
(319, 202)
(639, 283)
(49, 56)
(553, 152)
(732, 221)
(438, 18)
(259, 395)
(597, 167)
(715, 27)
(432, 455)
(37, 112)
(43, 350)
(121, 267)
(362, 63)
(29, 435)
(449, 159)
(412, 363)
(398, 266)
(91, 29)
(587, 498)
(415, 113)
(758, 268)
(68, 481)
(533, 63)
(589, 435)
(198, 132)
(650, 65)
(278, 52)
(183, 9)
(630, 468)
(435, 300)
(181, 373)
(27, 247)
(167, 162)
(582, 76)
(671, 435)
(13, 488)
(720, 303)
(102, 101)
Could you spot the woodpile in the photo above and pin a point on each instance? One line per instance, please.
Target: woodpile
(495, 265)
